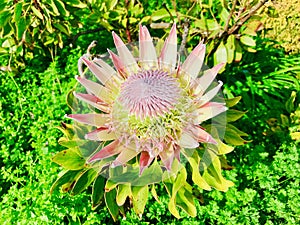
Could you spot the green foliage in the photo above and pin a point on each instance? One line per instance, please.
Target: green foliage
(32, 102)
(281, 19)
(35, 27)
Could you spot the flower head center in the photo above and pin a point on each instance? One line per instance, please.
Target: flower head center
(150, 93)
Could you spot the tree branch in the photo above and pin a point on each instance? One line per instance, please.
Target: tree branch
(240, 22)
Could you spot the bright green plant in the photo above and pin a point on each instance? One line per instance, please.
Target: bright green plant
(28, 28)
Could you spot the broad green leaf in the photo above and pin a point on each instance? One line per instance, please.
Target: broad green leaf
(223, 148)
(176, 185)
(232, 101)
(212, 173)
(233, 115)
(230, 48)
(220, 56)
(61, 8)
(154, 194)
(68, 177)
(55, 11)
(139, 198)
(238, 52)
(18, 12)
(37, 12)
(5, 16)
(110, 185)
(98, 191)
(110, 201)
(161, 14)
(123, 192)
(185, 200)
(71, 143)
(247, 40)
(84, 180)
(76, 3)
(236, 130)
(62, 28)
(69, 159)
(233, 138)
(194, 161)
(224, 14)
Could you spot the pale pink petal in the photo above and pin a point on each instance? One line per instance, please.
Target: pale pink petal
(109, 150)
(208, 111)
(148, 57)
(118, 64)
(99, 72)
(201, 135)
(97, 89)
(145, 160)
(125, 155)
(101, 134)
(188, 141)
(93, 101)
(210, 94)
(192, 65)
(168, 56)
(94, 119)
(202, 83)
(125, 55)
(167, 157)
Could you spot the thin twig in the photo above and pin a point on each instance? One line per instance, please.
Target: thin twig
(230, 15)
(186, 26)
(246, 17)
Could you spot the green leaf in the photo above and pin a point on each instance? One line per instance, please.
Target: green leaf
(176, 185)
(139, 198)
(18, 12)
(233, 115)
(98, 191)
(194, 161)
(290, 103)
(238, 52)
(5, 16)
(123, 192)
(37, 12)
(84, 180)
(161, 14)
(55, 11)
(185, 200)
(233, 138)
(249, 41)
(69, 159)
(62, 28)
(67, 179)
(21, 27)
(223, 148)
(220, 56)
(212, 173)
(232, 101)
(76, 3)
(230, 48)
(61, 8)
(110, 201)
(154, 194)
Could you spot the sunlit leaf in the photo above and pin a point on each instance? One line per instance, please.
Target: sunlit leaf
(98, 190)
(69, 159)
(83, 181)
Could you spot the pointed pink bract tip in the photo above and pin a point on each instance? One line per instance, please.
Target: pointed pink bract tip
(117, 40)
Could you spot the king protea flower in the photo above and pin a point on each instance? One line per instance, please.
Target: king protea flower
(151, 107)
